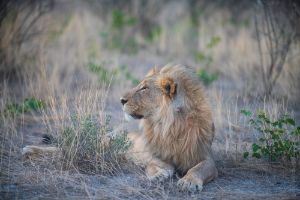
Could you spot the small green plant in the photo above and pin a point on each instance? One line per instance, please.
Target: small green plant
(121, 20)
(109, 76)
(237, 23)
(154, 34)
(116, 39)
(207, 60)
(104, 75)
(214, 41)
(278, 141)
(54, 34)
(196, 15)
(88, 143)
(128, 75)
(14, 109)
(207, 78)
(203, 58)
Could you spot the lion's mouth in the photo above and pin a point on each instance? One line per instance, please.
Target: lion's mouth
(135, 116)
(130, 116)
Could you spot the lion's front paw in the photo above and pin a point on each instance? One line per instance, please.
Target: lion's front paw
(160, 175)
(190, 184)
(158, 170)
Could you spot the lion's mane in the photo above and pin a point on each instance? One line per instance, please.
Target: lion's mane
(182, 130)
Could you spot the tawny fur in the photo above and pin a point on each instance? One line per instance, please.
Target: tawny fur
(177, 126)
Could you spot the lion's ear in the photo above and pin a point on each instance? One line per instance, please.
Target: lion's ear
(152, 72)
(168, 85)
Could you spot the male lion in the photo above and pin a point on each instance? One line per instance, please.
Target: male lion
(177, 127)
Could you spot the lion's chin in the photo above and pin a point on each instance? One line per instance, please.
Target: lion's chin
(130, 117)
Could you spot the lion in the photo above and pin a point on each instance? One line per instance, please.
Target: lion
(177, 127)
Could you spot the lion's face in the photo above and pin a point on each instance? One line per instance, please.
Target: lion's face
(143, 100)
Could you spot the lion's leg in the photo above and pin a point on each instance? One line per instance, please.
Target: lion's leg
(138, 151)
(38, 150)
(140, 155)
(204, 172)
(158, 170)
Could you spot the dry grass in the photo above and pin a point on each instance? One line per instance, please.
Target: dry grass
(58, 75)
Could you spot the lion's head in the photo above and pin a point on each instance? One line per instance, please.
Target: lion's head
(146, 98)
(176, 116)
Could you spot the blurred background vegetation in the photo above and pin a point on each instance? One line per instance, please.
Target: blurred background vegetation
(255, 43)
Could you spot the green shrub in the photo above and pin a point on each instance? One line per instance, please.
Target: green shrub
(278, 142)
(214, 41)
(207, 60)
(55, 33)
(109, 76)
(154, 34)
(203, 58)
(207, 78)
(15, 109)
(116, 39)
(104, 75)
(90, 145)
(121, 20)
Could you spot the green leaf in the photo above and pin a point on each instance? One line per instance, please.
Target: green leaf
(267, 120)
(123, 67)
(287, 143)
(275, 123)
(261, 114)
(246, 154)
(20, 109)
(280, 144)
(296, 132)
(255, 147)
(291, 121)
(265, 151)
(275, 136)
(280, 132)
(256, 155)
(262, 139)
(213, 42)
(278, 149)
(259, 121)
(246, 112)
(32, 104)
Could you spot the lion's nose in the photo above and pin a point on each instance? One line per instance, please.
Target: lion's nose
(123, 101)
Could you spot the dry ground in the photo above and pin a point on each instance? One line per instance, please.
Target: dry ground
(58, 75)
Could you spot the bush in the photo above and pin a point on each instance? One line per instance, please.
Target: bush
(207, 78)
(19, 25)
(14, 109)
(207, 60)
(121, 35)
(278, 141)
(90, 145)
(107, 76)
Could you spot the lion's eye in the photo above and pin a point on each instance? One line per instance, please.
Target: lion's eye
(143, 88)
